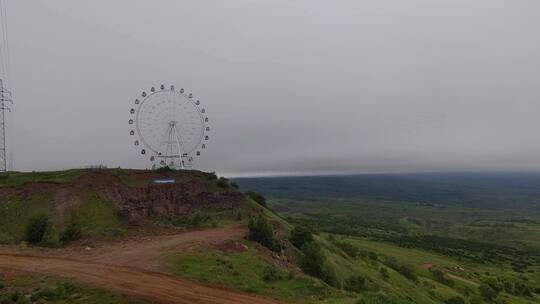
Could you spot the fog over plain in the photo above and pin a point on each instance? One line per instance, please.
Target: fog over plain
(290, 86)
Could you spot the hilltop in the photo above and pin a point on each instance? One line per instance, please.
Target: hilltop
(111, 202)
(131, 236)
(109, 228)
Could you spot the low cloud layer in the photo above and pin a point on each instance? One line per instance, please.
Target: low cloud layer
(290, 86)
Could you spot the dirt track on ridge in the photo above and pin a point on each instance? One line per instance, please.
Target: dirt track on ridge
(107, 267)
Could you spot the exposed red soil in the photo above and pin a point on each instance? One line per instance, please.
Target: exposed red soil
(131, 281)
(130, 266)
(451, 275)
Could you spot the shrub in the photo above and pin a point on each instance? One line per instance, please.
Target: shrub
(222, 182)
(348, 248)
(46, 293)
(312, 260)
(50, 237)
(487, 293)
(355, 283)
(440, 277)
(300, 235)
(455, 300)
(372, 255)
(495, 284)
(73, 230)
(261, 232)
(164, 169)
(270, 273)
(522, 289)
(257, 197)
(329, 275)
(212, 176)
(384, 273)
(405, 269)
(198, 219)
(36, 228)
(235, 185)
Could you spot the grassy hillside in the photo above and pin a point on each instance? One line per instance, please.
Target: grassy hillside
(106, 202)
(318, 247)
(477, 230)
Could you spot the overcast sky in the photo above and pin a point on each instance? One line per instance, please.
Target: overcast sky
(289, 85)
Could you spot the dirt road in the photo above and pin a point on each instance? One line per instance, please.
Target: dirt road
(452, 276)
(107, 267)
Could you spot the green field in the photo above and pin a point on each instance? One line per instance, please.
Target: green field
(457, 233)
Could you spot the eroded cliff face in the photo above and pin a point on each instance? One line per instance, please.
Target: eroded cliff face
(137, 204)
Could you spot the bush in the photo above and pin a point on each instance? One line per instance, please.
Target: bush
(270, 273)
(521, 289)
(36, 228)
(257, 197)
(164, 169)
(384, 273)
(405, 269)
(312, 260)
(372, 255)
(198, 219)
(50, 237)
(194, 220)
(300, 235)
(495, 284)
(355, 283)
(455, 300)
(212, 176)
(261, 232)
(222, 182)
(348, 248)
(329, 275)
(487, 293)
(73, 230)
(440, 277)
(235, 185)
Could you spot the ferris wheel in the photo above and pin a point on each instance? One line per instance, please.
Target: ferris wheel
(169, 126)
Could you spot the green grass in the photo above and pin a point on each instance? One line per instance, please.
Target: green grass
(14, 179)
(476, 244)
(474, 272)
(245, 270)
(42, 289)
(98, 218)
(16, 212)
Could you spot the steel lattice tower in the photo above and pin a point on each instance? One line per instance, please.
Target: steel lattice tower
(4, 106)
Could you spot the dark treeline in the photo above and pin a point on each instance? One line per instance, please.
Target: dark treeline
(485, 190)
